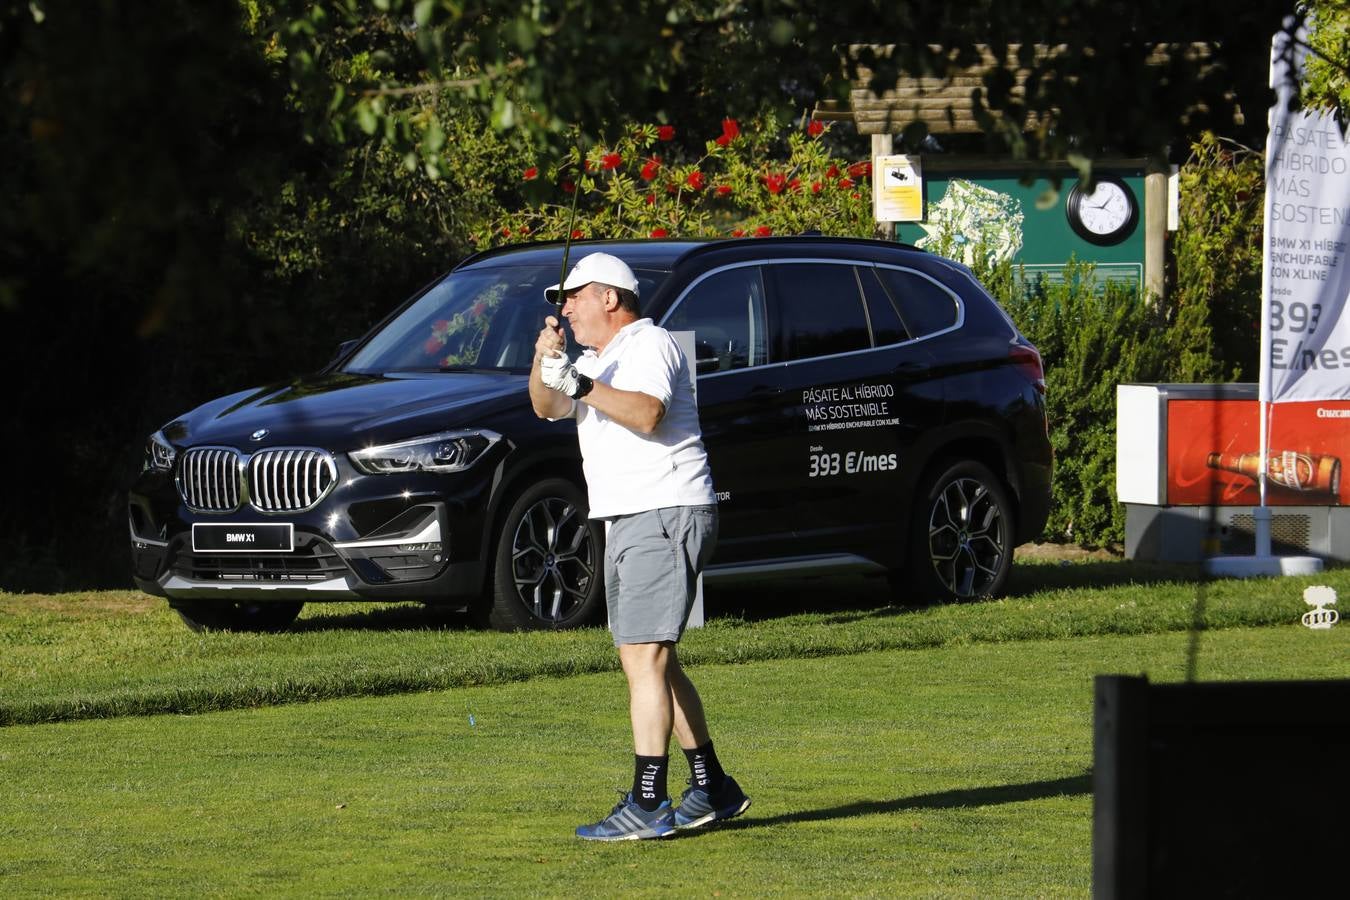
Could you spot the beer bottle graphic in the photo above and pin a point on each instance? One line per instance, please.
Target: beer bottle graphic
(1305, 472)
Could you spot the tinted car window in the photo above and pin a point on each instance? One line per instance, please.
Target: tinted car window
(818, 309)
(924, 305)
(726, 313)
(886, 325)
(474, 319)
(485, 318)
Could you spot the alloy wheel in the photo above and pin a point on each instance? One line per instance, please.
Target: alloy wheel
(967, 538)
(552, 559)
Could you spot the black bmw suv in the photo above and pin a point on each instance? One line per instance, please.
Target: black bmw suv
(866, 407)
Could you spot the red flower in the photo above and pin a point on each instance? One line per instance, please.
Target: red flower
(531, 173)
(568, 187)
(795, 184)
(671, 187)
(506, 232)
(815, 187)
(860, 169)
(846, 183)
(611, 161)
(659, 232)
(651, 198)
(440, 326)
(478, 309)
(832, 172)
(650, 168)
(730, 131)
(665, 133)
(695, 180)
(738, 232)
(763, 231)
(723, 190)
(815, 129)
(524, 229)
(432, 346)
(585, 165)
(775, 183)
(857, 196)
(577, 235)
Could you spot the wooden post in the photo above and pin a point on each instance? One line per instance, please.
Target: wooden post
(1155, 228)
(881, 146)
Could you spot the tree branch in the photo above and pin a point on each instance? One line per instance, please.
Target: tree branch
(429, 87)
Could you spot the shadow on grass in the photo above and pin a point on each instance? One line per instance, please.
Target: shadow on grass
(391, 617)
(1074, 786)
(1032, 578)
(848, 598)
(839, 598)
(773, 598)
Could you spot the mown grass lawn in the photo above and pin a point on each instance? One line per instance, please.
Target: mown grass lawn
(953, 771)
(122, 653)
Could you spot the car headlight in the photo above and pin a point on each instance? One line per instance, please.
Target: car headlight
(449, 451)
(159, 453)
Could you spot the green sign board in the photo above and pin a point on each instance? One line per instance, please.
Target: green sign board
(991, 212)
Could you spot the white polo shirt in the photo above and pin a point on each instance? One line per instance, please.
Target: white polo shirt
(628, 472)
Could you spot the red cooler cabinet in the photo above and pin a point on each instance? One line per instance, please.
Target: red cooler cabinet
(1187, 461)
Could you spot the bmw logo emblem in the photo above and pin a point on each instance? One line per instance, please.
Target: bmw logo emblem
(258, 435)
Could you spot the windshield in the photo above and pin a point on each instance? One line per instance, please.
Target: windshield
(476, 319)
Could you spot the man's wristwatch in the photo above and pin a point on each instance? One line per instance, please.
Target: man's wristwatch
(584, 385)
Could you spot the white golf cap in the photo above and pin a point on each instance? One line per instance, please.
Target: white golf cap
(601, 267)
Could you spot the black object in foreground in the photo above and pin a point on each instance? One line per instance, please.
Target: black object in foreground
(1219, 789)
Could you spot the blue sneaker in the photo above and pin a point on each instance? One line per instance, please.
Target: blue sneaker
(630, 822)
(700, 807)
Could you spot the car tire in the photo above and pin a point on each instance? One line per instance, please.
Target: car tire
(961, 534)
(548, 570)
(215, 615)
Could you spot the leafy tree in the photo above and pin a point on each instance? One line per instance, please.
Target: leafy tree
(754, 181)
(1122, 77)
(1217, 250)
(1327, 81)
(169, 232)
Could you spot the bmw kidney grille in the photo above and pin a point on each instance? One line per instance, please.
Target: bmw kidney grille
(276, 480)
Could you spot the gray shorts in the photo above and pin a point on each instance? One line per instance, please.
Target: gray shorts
(652, 561)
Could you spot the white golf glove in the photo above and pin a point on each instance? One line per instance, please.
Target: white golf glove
(558, 373)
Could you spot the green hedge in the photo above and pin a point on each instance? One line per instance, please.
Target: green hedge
(1094, 335)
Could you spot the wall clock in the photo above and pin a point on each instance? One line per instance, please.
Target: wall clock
(1107, 215)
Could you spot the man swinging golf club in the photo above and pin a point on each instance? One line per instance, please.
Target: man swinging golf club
(647, 477)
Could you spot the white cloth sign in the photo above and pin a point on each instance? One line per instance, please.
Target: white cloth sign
(1305, 335)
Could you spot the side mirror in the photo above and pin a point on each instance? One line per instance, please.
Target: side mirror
(343, 349)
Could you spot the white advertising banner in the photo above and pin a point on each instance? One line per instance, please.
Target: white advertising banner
(1305, 336)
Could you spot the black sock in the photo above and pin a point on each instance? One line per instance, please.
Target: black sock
(649, 781)
(705, 771)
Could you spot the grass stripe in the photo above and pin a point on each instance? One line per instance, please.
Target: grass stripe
(105, 655)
